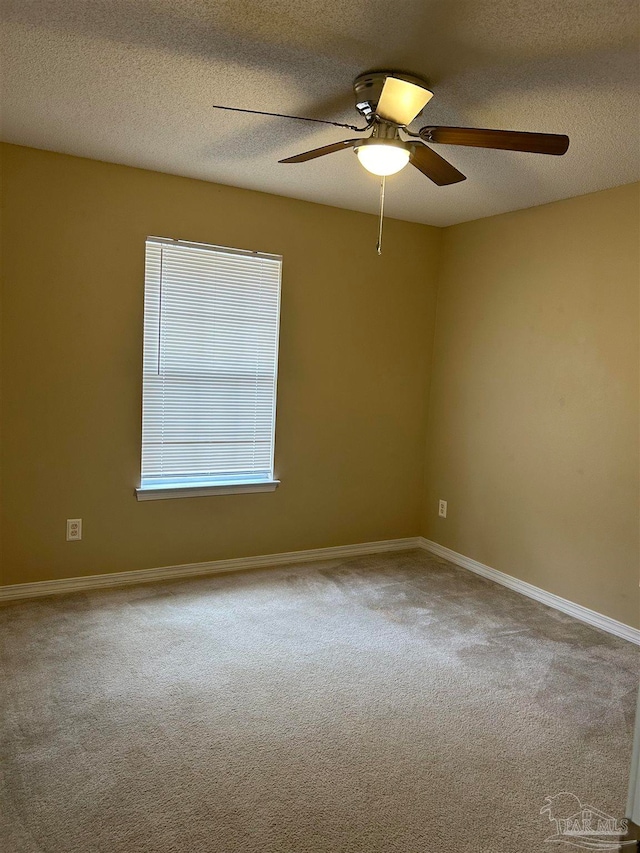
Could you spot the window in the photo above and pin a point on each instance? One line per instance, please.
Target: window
(211, 318)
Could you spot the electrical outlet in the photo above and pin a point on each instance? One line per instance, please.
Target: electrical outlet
(74, 529)
(442, 509)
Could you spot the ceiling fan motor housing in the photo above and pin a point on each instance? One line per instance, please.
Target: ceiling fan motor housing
(368, 88)
(385, 131)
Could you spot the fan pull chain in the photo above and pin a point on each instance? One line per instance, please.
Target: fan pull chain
(379, 243)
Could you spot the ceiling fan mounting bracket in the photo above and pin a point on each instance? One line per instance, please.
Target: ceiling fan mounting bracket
(368, 88)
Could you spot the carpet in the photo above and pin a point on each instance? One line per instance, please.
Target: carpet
(390, 703)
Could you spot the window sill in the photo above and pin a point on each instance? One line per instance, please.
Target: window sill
(159, 493)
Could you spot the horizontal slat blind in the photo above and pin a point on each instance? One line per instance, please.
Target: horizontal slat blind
(211, 320)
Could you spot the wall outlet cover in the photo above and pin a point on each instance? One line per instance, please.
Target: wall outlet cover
(74, 529)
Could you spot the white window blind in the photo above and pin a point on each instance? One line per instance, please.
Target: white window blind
(211, 319)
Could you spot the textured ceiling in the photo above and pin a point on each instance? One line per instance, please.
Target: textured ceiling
(133, 82)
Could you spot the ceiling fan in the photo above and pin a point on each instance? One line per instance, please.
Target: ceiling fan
(389, 101)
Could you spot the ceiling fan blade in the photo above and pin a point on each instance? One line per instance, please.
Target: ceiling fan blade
(320, 152)
(401, 101)
(286, 115)
(507, 140)
(435, 167)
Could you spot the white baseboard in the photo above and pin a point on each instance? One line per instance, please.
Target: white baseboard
(115, 579)
(38, 589)
(591, 617)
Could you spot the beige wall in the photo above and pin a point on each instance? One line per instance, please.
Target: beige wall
(533, 427)
(533, 433)
(355, 342)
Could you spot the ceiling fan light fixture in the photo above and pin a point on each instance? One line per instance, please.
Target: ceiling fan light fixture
(382, 158)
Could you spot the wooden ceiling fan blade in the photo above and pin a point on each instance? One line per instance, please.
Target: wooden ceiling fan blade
(507, 140)
(286, 115)
(435, 167)
(320, 152)
(401, 101)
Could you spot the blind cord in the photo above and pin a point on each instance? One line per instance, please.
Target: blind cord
(160, 311)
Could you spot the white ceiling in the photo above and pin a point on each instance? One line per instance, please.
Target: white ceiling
(133, 81)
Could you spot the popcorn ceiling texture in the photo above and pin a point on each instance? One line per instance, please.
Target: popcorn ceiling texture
(133, 83)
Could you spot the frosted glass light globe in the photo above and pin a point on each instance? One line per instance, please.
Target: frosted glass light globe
(381, 159)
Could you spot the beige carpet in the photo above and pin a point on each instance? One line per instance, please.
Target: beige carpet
(390, 703)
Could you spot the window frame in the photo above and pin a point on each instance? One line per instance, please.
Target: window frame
(195, 486)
